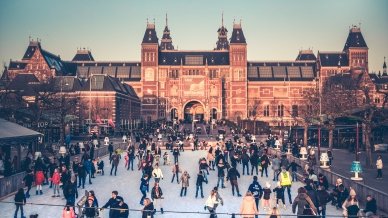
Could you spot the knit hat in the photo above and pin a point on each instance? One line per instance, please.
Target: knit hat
(352, 192)
(267, 185)
(90, 198)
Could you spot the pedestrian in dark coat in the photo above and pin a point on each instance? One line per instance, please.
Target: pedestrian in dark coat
(89, 208)
(264, 161)
(254, 159)
(256, 190)
(28, 179)
(323, 199)
(233, 174)
(113, 203)
(300, 201)
(245, 162)
(144, 187)
(123, 211)
(115, 158)
(198, 184)
(20, 200)
(148, 209)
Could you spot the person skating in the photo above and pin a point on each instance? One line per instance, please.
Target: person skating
(248, 207)
(20, 200)
(199, 183)
(113, 204)
(279, 190)
(39, 179)
(148, 209)
(276, 168)
(300, 201)
(176, 154)
(210, 158)
(88, 167)
(115, 162)
(185, 183)
(219, 199)
(70, 191)
(131, 157)
(294, 169)
(144, 187)
(264, 162)
(323, 199)
(209, 204)
(274, 213)
(175, 172)
(256, 190)
(266, 196)
(220, 173)
(123, 211)
(285, 182)
(157, 173)
(233, 174)
(28, 180)
(81, 175)
(56, 180)
(110, 149)
(245, 162)
(157, 197)
(254, 159)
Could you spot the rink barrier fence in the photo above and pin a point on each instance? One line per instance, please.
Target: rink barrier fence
(361, 189)
(183, 212)
(10, 184)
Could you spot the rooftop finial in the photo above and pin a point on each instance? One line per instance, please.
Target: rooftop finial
(385, 64)
(222, 18)
(166, 20)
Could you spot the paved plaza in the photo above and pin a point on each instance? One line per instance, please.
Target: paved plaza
(127, 184)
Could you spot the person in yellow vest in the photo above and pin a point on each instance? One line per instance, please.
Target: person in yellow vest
(286, 182)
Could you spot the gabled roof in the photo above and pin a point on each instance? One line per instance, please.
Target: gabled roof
(126, 71)
(32, 47)
(26, 83)
(199, 58)
(17, 65)
(237, 34)
(83, 55)
(281, 71)
(355, 39)
(150, 34)
(333, 59)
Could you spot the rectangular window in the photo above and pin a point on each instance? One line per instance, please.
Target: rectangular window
(280, 110)
(266, 110)
(193, 60)
(294, 111)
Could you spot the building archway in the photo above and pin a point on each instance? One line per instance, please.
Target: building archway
(213, 114)
(194, 110)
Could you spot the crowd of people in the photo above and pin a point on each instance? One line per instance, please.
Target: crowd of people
(223, 158)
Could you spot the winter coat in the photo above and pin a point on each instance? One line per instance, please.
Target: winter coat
(256, 189)
(371, 206)
(123, 212)
(254, 159)
(264, 161)
(144, 184)
(267, 193)
(245, 158)
(248, 207)
(379, 164)
(323, 197)
(20, 198)
(220, 170)
(284, 162)
(200, 179)
(71, 190)
(56, 178)
(115, 159)
(211, 201)
(276, 164)
(185, 180)
(90, 210)
(157, 173)
(279, 192)
(28, 179)
(39, 178)
(233, 174)
(210, 157)
(68, 214)
(155, 195)
(312, 193)
(148, 211)
(300, 201)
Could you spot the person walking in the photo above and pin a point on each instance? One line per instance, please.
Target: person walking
(157, 173)
(245, 162)
(110, 149)
(144, 187)
(256, 190)
(294, 169)
(131, 156)
(379, 166)
(300, 202)
(175, 172)
(56, 180)
(81, 175)
(198, 184)
(88, 165)
(220, 173)
(70, 191)
(233, 174)
(185, 183)
(157, 197)
(254, 159)
(176, 154)
(115, 162)
(209, 204)
(285, 182)
(20, 200)
(248, 207)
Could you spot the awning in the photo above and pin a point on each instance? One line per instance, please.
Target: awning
(12, 131)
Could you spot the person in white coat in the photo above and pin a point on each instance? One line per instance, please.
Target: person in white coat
(379, 166)
(157, 173)
(210, 203)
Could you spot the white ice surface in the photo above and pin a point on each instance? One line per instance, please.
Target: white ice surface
(127, 184)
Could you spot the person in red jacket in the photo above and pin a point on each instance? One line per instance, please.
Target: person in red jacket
(56, 180)
(39, 179)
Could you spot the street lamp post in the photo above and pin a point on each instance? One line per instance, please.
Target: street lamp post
(62, 131)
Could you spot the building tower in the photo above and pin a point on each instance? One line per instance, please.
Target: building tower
(222, 43)
(149, 70)
(357, 50)
(166, 41)
(237, 84)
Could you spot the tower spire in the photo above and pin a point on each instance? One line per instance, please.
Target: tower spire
(222, 19)
(384, 67)
(166, 20)
(166, 42)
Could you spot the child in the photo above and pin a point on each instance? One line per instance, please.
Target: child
(166, 159)
(274, 213)
(266, 196)
(56, 180)
(279, 190)
(101, 166)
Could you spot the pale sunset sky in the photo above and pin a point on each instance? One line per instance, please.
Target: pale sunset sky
(113, 30)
